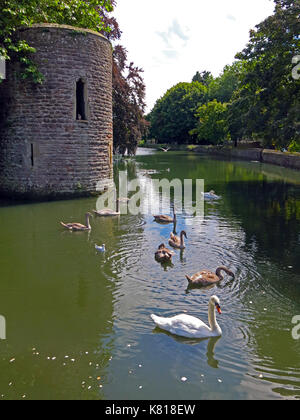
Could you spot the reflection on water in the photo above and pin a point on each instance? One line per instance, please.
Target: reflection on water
(211, 344)
(78, 324)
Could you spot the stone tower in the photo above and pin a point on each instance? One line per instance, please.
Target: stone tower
(56, 138)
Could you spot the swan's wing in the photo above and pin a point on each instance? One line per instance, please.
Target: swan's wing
(78, 226)
(106, 212)
(188, 322)
(73, 225)
(183, 325)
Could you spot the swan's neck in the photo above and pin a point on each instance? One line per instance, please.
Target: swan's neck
(212, 318)
(88, 225)
(118, 206)
(182, 239)
(218, 273)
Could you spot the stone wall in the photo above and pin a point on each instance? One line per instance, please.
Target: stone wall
(45, 151)
(287, 160)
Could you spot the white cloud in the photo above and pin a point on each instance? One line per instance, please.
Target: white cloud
(171, 40)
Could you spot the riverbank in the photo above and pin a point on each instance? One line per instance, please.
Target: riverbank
(285, 159)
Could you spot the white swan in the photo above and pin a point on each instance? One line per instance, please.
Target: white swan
(100, 248)
(210, 195)
(109, 212)
(191, 327)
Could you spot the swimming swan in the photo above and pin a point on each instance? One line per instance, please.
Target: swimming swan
(178, 241)
(210, 195)
(109, 212)
(206, 278)
(163, 254)
(100, 248)
(166, 219)
(78, 226)
(191, 327)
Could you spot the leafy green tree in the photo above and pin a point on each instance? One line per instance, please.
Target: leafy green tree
(128, 103)
(212, 126)
(223, 87)
(204, 77)
(294, 146)
(173, 116)
(129, 124)
(14, 14)
(267, 104)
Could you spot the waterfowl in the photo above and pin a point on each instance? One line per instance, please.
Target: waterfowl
(124, 200)
(211, 195)
(207, 278)
(164, 150)
(78, 226)
(190, 327)
(166, 219)
(163, 254)
(100, 248)
(178, 241)
(109, 212)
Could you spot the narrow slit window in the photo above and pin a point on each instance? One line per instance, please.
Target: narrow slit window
(81, 100)
(32, 155)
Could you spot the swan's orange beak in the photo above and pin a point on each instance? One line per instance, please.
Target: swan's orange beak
(219, 309)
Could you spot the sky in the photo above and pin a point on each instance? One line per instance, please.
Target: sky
(173, 39)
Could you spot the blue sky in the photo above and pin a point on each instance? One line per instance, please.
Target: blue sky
(172, 39)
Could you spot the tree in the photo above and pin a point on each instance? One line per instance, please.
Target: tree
(212, 126)
(173, 115)
(223, 87)
(205, 78)
(128, 103)
(128, 93)
(267, 105)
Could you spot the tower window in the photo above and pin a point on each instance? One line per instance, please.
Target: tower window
(81, 100)
(32, 155)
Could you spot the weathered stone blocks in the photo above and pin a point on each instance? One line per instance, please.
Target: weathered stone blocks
(55, 140)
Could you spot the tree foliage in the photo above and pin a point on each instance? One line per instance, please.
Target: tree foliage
(223, 87)
(267, 105)
(173, 116)
(212, 125)
(205, 78)
(128, 103)
(128, 93)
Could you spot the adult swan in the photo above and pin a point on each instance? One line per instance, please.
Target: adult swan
(191, 327)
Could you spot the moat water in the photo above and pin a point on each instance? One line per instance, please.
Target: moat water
(78, 322)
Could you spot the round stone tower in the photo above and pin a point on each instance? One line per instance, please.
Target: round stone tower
(56, 138)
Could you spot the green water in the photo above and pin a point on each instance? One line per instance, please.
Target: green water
(77, 322)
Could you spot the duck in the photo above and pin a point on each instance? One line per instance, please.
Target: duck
(109, 212)
(100, 248)
(178, 241)
(211, 195)
(163, 254)
(207, 278)
(166, 219)
(76, 227)
(187, 326)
